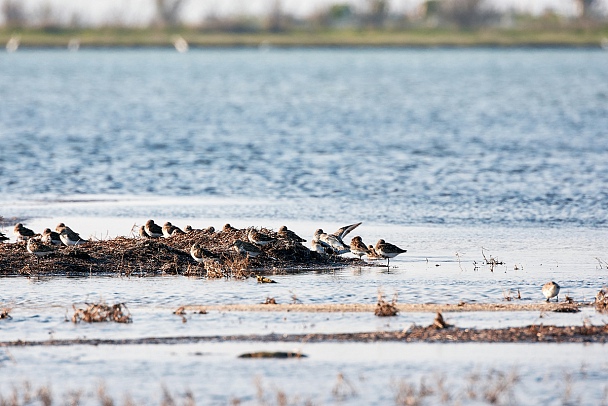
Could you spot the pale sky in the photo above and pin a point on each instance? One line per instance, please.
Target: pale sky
(141, 11)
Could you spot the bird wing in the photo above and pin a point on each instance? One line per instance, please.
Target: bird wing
(343, 231)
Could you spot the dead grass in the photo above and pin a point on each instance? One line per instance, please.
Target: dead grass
(601, 300)
(439, 322)
(492, 262)
(384, 308)
(100, 312)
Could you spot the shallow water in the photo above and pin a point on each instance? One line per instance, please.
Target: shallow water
(451, 154)
(371, 373)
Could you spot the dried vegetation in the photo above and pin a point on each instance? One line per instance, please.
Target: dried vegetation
(384, 308)
(147, 257)
(601, 300)
(100, 312)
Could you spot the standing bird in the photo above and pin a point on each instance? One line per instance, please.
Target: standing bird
(388, 250)
(284, 232)
(153, 230)
(357, 247)
(170, 230)
(67, 236)
(258, 238)
(23, 233)
(245, 248)
(38, 249)
(51, 237)
(551, 289)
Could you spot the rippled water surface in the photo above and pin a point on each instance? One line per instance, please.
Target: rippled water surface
(451, 154)
(395, 136)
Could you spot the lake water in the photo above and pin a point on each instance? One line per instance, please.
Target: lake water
(443, 152)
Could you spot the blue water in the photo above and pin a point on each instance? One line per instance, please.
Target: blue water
(450, 154)
(511, 137)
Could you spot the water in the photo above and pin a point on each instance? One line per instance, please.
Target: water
(512, 137)
(443, 152)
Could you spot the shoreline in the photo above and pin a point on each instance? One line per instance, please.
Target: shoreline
(596, 38)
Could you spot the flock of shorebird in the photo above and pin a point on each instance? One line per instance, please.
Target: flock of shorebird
(322, 243)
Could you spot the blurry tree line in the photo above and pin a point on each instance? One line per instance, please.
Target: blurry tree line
(368, 14)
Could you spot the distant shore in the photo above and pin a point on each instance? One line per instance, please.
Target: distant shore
(420, 38)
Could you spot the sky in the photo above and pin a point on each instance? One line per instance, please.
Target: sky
(141, 11)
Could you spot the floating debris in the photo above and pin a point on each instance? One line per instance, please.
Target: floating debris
(276, 354)
(100, 312)
(4, 314)
(263, 279)
(270, 300)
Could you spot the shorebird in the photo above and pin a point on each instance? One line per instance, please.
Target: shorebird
(246, 248)
(331, 241)
(388, 250)
(51, 237)
(170, 230)
(372, 254)
(23, 233)
(153, 230)
(317, 247)
(142, 232)
(209, 230)
(37, 248)
(334, 240)
(551, 289)
(200, 254)
(228, 228)
(188, 229)
(357, 247)
(3, 238)
(68, 237)
(284, 232)
(258, 238)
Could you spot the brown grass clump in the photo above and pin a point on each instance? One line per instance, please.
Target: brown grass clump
(439, 322)
(270, 300)
(100, 312)
(384, 308)
(601, 300)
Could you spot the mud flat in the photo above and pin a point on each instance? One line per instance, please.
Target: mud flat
(430, 334)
